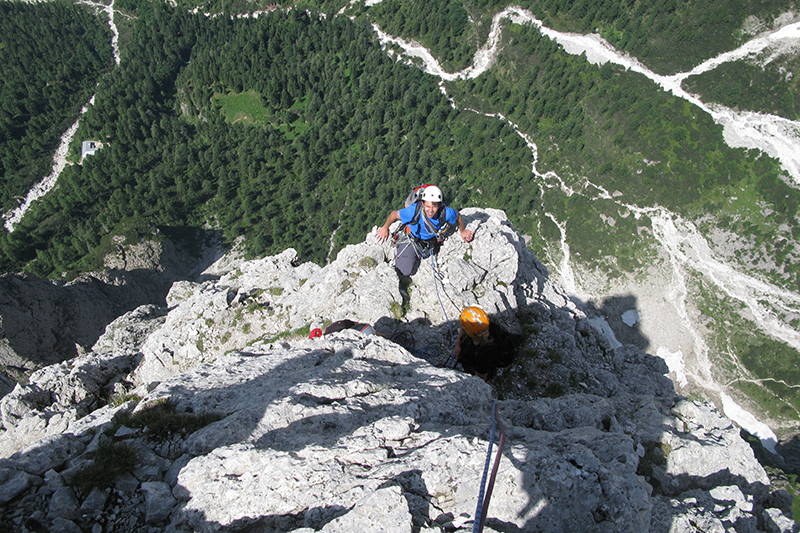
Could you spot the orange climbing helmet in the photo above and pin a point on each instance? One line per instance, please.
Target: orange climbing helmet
(474, 320)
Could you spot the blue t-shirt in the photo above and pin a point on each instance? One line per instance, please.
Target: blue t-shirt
(420, 229)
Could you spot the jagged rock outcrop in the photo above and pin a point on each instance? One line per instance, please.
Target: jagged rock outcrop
(41, 320)
(44, 322)
(269, 297)
(60, 394)
(236, 421)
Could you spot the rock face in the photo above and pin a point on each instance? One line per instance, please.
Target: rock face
(231, 419)
(44, 322)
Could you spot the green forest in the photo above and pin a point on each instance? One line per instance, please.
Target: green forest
(668, 36)
(773, 89)
(51, 58)
(443, 26)
(336, 135)
(264, 127)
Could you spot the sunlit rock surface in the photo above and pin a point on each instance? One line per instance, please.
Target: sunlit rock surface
(279, 432)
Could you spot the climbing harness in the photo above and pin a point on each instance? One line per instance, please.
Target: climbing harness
(485, 490)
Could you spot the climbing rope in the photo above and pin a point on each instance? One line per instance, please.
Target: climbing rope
(493, 475)
(485, 490)
(476, 524)
(438, 279)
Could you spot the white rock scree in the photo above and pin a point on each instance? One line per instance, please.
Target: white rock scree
(355, 433)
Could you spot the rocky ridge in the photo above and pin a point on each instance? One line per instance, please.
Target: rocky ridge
(43, 322)
(215, 413)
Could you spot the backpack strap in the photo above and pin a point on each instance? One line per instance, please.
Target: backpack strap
(414, 197)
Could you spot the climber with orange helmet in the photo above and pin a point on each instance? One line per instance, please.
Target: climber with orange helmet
(482, 345)
(427, 221)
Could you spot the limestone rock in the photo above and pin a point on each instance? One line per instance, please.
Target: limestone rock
(275, 431)
(272, 297)
(386, 508)
(49, 453)
(696, 458)
(158, 501)
(776, 522)
(63, 504)
(64, 526)
(58, 395)
(12, 483)
(323, 433)
(127, 333)
(44, 322)
(180, 292)
(41, 321)
(95, 501)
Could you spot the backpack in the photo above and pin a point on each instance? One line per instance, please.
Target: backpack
(340, 325)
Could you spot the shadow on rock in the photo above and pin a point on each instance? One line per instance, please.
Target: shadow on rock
(44, 322)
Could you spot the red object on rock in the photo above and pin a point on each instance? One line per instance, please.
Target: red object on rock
(316, 332)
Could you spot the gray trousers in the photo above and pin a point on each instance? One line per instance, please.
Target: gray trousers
(408, 253)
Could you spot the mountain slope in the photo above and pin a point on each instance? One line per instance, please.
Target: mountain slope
(350, 432)
(300, 129)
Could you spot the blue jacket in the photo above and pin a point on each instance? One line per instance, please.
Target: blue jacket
(420, 230)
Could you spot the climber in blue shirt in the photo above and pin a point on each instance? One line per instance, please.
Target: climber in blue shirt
(426, 222)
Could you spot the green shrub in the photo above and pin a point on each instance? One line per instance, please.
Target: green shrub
(554, 390)
(397, 310)
(161, 421)
(299, 332)
(118, 399)
(367, 263)
(109, 461)
(554, 356)
(252, 307)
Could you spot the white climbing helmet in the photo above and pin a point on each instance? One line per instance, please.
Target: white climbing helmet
(431, 193)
